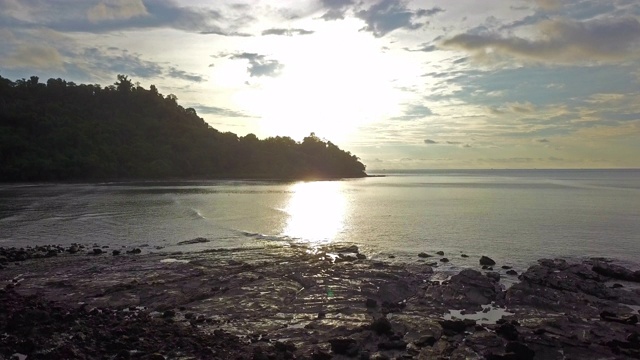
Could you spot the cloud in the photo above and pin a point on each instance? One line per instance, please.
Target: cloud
(560, 41)
(429, 141)
(41, 57)
(335, 9)
(423, 48)
(389, 15)
(117, 15)
(214, 110)
(287, 32)
(116, 10)
(414, 111)
(454, 142)
(259, 65)
(542, 140)
(180, 74)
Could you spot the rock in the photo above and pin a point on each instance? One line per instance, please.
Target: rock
(381, 326)
(344, 346)
(506, 267)
(392, 345)
(361, 256)
(424, 255)
(134, 251)
(609, 316)
(115, 252)
(73, 249)
(615, 271)
(444, 260)
(452, 327)
(285, 346)
(155, 356)
(426, 340)
(441, 253)
(520, 350)
(493, 276)
(322, 315)
(617, 286)
(508, 331)
(485, 260)
(197, 240)
(512, 272)
(392, 256)
(96, 251)
(318, 354)
(348, 249)
(464, 255)
(486, 267)
(371, 303)
(168, 314)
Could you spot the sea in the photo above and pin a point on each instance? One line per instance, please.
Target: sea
(513, 216)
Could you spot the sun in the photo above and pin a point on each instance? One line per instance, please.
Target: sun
(332, 82)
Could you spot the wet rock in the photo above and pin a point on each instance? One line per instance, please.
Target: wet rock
(444, 260)
(452, 327)
(197, 240)
(155, 356)
(115, 252)
(493, 276)
(318, 354)
(464, 255)
(344, 346)
(426, 340)
(96, 251)
(487, 261)
(617, 286)
(609, 316)
(512, 272)
(134, 251)
(469, 288)
(506, 267)
(361, 256)
(348, 249)
(424, 255)
(73, 249)
(441, 253)
(168, 314)
(487, 267)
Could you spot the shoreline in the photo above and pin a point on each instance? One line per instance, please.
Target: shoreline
(332, 301)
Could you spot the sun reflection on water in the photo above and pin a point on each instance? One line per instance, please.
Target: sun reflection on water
(316, 211)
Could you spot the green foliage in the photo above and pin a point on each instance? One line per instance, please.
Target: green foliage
(63, 131)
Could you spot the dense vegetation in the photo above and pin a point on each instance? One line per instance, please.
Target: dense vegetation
(63, 131)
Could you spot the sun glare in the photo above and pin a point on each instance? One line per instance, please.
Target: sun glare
(316, 211)
(330, 84)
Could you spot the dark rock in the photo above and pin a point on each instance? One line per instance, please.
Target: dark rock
(508, 331)
(381, 325)
(115, 252)
(493, 276)
(615, 271)
(392, 256)
(486, 267)
(441, 253)
(617, 286)
(134, 251)
(452, 327)
(464, 255)
(155, 356)
(512, 272)
(609, 316)
(193, 241)
(506, 267)
(73, 249)
(392, 345)
(318, 354)
(322, 315)
(344, 346)
(285, 346)
(485, 260)
(444, 260)
(424, 255)
(97, 251)
(371, 303)
(426, 340)
(51, 253)
(361, 256)
(168, 314)
(520, 350)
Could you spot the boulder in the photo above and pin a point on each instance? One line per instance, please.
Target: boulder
(486, 261)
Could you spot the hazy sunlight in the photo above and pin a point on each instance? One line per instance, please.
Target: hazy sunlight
(316, 211)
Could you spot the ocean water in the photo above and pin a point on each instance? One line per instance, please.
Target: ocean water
(513, 216)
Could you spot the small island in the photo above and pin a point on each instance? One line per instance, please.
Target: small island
(62, 131)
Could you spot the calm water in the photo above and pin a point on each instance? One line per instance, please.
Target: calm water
(513, 216)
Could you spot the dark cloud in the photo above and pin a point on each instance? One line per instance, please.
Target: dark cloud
(214, 110)
(389, 15)
(121, 62)
(259, 65)
(429, 141)
(560, 41)
(287, 32)
(101, 17)
(424, 48)
(180, 74)
(336, 9)
(542, 140)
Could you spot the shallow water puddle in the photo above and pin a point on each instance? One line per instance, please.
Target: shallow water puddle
(490, 314)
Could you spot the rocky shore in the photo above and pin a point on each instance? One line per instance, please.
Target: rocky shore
(81, 302)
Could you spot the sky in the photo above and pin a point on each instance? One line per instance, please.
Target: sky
(401, 84)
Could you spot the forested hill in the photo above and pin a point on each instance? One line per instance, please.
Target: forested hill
(63, 131)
